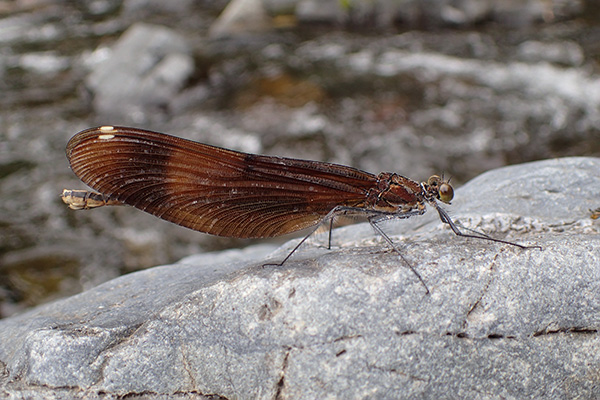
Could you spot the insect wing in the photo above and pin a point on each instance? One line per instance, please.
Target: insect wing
(210, 189)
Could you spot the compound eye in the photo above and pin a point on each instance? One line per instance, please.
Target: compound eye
(446, 192)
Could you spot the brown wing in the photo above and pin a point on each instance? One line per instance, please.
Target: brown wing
(210, 189)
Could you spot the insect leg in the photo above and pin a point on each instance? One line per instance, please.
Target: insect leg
(447, 220)
(373, 222)
(330, 231)
(330, 215)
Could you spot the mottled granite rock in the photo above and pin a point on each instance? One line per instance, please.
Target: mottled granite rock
(352, 322)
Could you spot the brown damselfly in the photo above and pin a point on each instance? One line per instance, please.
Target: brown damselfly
(229, 193)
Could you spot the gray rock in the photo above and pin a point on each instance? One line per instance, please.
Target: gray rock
(145, 68)
(384, 13)
(311, 11)
(149, 7)
(241, 17)
(28, 27)
(352, 322)
(47, 62)
(566, 53)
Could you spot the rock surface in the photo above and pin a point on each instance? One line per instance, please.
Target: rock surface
(241, 17)
(352, 322)
(142, 72)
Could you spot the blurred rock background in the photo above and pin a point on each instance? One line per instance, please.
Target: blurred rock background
(411, 86)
